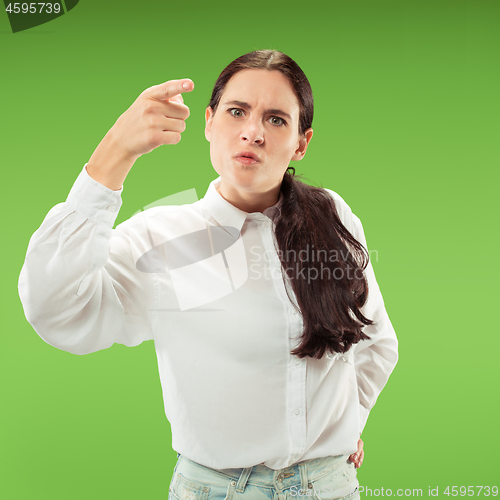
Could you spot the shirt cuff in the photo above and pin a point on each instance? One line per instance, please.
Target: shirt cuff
(93, 200)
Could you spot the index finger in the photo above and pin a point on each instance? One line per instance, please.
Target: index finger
(169, 89)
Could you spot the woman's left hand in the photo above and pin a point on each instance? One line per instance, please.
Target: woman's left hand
(357, 458)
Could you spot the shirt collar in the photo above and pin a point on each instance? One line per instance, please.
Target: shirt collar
(228, 215)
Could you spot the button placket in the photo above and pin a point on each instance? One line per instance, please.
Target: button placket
(297, 406)
(296, 387)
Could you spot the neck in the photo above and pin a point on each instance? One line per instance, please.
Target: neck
(249, 202)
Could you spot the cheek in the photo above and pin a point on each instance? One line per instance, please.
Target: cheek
(220, 134)
(289, 149)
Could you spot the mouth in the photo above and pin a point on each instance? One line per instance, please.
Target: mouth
(247, 158)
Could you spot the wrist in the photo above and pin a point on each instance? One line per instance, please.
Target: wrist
(110, 164)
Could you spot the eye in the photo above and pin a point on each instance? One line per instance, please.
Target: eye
(276, 120)
(236, 112)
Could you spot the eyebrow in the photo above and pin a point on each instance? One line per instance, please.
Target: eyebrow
(245, 105)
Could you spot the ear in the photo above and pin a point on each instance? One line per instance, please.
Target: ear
(208, 122)
(302, 146)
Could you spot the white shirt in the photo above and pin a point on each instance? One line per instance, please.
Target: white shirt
(204, 281)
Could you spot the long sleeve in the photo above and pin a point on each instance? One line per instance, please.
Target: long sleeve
(79, 285)
(375, 358)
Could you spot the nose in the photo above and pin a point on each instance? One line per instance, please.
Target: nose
(252, 132)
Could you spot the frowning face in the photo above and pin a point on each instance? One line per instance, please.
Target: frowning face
(254, 134)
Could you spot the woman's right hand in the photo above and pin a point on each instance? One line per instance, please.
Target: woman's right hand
(156, 117)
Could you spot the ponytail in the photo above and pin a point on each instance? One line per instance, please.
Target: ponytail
(325, 266)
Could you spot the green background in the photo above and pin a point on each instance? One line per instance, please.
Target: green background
(405, 129)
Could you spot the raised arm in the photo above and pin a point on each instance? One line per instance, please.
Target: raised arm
(79, 285)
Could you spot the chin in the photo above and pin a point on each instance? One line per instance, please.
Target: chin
(243, 180)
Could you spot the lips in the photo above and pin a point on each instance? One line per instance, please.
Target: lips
(248, 155)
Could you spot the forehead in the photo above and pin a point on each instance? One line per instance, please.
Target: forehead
(256, 87)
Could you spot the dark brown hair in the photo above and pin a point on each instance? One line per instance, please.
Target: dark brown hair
(309, 223)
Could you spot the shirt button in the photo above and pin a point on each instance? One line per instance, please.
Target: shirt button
(111, 208)
(233, 483)
(297, 411)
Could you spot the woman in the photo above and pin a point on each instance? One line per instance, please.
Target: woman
(272, 338)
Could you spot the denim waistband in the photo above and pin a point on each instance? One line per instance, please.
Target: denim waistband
(299, 474)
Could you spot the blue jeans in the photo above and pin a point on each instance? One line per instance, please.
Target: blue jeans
(319, 479)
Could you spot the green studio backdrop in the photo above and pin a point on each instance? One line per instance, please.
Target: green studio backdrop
(405, 130)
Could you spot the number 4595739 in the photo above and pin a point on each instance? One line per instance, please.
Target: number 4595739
(471, 491)
(33, 8)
